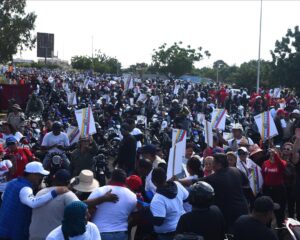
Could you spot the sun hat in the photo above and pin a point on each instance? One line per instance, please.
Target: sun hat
(35, 167)
(85, 182)
(17, 106)
(254, 149)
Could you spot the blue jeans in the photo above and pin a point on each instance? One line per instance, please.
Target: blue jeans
(114, 236)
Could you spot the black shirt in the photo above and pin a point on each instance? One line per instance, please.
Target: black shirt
(229, 197)
(248, 228)
(208, 223)
(127, 153)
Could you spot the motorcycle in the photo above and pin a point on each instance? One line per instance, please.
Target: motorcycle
(101, 169)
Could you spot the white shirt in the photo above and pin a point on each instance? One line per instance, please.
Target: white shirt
(18, 136)
(27, 198)
(134, 132)
(50, 139)
(5, 165)
(113, 217)
(149, 185)
(91, 233)
(170, 209)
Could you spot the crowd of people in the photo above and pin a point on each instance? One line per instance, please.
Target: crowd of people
(113, 184)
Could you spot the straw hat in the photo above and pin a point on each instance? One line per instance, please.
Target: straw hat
(85, 182)
(255, 149)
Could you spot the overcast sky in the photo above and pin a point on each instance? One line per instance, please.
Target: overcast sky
(130, 30)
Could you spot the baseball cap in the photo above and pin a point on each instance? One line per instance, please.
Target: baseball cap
(35, 167)
(243, 149)
(62, 175)
(11, 140)
(296, 111)
(149, 148)
(265, 204)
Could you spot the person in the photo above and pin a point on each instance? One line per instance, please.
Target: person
(273, 175)
(6, 171)
(166, 205)
(237, 132)
(228, 184)
(18, 202)
(257, 155)
(55, 141)
(75, 224)
(34, 106)
(149, 152)
(205, 219)
(19, 156)
(112, 218)
(16, 117)
(9, 131)
(254, 226)
(127, 150)
(84, 184)
(145, 168)
(280, 125)
(208, 169)
(251, 170)
(136, 132)
(231, 158)
(82, 156)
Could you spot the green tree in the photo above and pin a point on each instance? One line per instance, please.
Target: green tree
(286, 59)
(176, 59)
(15, 28)
(81, 62)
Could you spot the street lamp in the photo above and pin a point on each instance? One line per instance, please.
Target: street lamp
(259, 43)
(218, 67)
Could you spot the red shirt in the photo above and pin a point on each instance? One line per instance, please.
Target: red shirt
(22, 157)
(273, 173)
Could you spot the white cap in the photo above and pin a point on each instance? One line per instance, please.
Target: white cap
(296, 111)
(243, 149)
(35, 167)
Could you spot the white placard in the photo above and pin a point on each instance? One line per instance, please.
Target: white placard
(218, 119)
(72, 100)
(266, 125)
(85, 121)
(208, 133)
(73, 134)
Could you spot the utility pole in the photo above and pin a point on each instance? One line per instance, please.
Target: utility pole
(259, 45)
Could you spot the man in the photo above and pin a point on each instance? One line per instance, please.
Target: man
(16, 117)
(205, 219)
(127, 151)
(145, 168)
(34, 106)
(254, 226)
(149, 152)
(41, 226)
(228, 184)
(19, 156)
(18, 202)
(136, 132)
(237, 132)
(166, 205)
(55, 141)
(112, 219)
(250, 169)
(82, 156)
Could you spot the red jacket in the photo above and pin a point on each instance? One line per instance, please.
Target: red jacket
(273, 173)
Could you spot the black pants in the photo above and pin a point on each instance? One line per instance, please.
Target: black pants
(291, 201)
(278, 195)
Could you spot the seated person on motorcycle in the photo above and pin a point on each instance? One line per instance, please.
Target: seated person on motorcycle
(55, 141)
(34, 106)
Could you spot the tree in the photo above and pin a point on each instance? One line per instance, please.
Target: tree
(81, 62)
(286, 59)
(176, 59)
(15, 28)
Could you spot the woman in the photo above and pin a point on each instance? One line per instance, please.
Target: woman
(75, 225)
(273, 173)
(232, 159)
(208, 168)
(289, 177)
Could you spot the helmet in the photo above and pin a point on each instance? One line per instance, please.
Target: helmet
(56, 125)
(201, 194)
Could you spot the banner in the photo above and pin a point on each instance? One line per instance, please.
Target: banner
(85, 121)
(208, 133)
(72, 100)
(266, 125)
(218, 119)
(128, 83)
(73, 134)
(177, 153)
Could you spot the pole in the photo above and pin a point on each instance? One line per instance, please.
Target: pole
(259, 45)
(218, 74)
(92, 53)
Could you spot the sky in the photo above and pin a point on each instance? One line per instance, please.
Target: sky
(130, 30)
